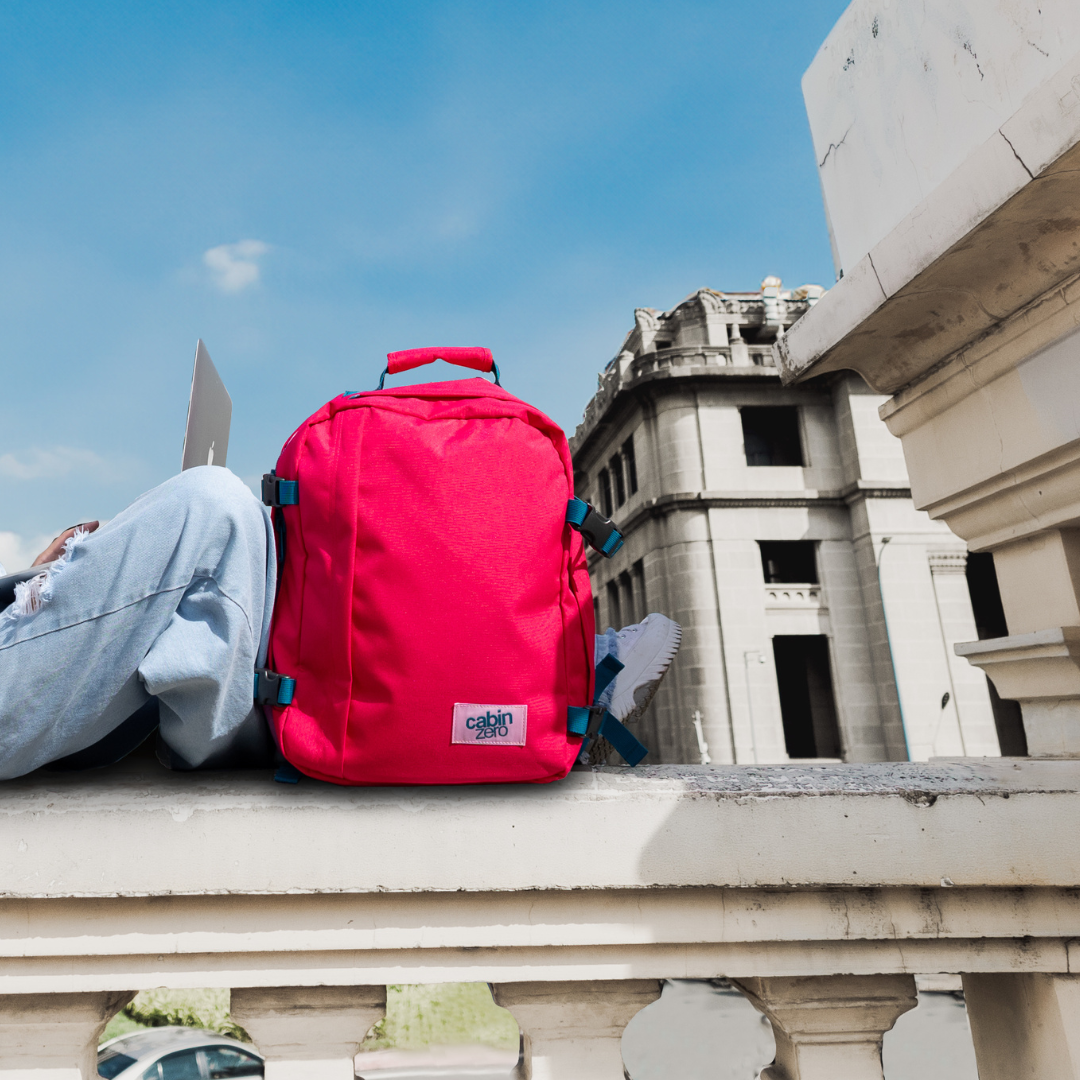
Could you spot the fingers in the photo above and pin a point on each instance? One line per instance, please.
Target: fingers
(56, 548)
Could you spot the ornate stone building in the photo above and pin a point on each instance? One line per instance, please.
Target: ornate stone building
(775, 523)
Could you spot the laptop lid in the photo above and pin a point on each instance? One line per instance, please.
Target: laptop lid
(206, 439)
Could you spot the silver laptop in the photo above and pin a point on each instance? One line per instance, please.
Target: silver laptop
(206, 440)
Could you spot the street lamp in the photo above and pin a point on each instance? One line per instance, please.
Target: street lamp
(750, 696)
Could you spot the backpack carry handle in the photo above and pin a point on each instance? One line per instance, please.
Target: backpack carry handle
(468, 356)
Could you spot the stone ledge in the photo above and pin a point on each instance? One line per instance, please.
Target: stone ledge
(139, 831)
(987, 241)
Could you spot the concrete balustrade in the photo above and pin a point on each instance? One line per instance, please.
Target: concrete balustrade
(308, 1032)
(54, 1036)
(574, 1029)
(830, 1026)
(820, 890)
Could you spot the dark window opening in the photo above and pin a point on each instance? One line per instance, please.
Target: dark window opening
(596, 613)
(613, 613)
(627, 607)
(990, 623)
(638, 571)
(631, 464)
(771, 435)
(615, 465)
(807, 704)
(789, 562)
(661, 344)
(605, 494)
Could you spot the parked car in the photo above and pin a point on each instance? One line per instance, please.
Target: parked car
(176, 1053)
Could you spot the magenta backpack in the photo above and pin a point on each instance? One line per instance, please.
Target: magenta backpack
(434, 620)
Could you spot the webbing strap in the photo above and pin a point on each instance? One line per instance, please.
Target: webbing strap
(590, 723)
(606, 670)
(618, 734)
(577, 720)
(287, 774)
(577, 510)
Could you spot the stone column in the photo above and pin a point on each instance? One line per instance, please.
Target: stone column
(308, 1032)
(829, 1026)
(1039, 663)
(1025, 1024)
(54, 1036)
(573, 1030)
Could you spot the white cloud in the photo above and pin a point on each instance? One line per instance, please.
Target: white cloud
(38, 464)
(234, 267)
(18, 552)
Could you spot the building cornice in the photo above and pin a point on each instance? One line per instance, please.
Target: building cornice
(688, 365)
(698, 501)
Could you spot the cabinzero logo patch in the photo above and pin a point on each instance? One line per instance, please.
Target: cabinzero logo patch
(489, 725)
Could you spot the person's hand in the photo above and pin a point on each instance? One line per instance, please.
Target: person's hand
(56, 548)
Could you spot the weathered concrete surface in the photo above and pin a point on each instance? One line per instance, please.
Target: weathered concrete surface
(988, 822)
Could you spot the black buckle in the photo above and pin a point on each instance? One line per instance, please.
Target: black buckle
(272, 688)
(277, 492)
(600, 532)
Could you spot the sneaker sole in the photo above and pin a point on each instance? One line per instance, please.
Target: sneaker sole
(648, 661)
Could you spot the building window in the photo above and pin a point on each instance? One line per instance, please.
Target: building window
(786, 562)
(615, 465)
(631, 464)
(807, 704)
(771, 435)
(989, 615)
(613, 613)
(605, 493)
(657, 344)
(596, 613)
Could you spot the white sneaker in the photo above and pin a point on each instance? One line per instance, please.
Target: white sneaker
(646, 650)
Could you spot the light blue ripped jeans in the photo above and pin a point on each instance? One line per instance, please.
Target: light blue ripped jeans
(171, 598)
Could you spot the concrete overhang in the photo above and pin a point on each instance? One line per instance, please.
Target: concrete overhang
(998, 233)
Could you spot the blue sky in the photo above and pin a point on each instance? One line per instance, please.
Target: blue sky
(309, 185)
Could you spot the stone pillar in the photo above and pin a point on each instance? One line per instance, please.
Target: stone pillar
(308, 1032)
(829, 1026)
(573, 1030)
(1025, 1025)
(1038, 664)
(54, 1036)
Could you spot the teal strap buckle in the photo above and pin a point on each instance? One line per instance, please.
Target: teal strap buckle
(272, 688)
(278, 492)
(598, 530)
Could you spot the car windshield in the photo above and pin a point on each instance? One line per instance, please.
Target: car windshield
(112, 1063)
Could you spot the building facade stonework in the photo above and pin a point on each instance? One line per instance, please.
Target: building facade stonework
(776, 525)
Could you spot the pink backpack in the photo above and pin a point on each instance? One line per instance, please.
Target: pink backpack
(434, 619)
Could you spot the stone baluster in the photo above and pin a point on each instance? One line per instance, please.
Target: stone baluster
(1025, 1024)
(308, 1032)
(54, 1036)
(829, 1026)
(573, 1030)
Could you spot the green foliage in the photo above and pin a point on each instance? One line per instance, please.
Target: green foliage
(446, 1014)
(416, 1016)
(186, 1008)
(120, 1024)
